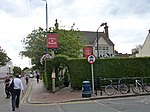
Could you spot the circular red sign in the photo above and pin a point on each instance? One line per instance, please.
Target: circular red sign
(91, 58)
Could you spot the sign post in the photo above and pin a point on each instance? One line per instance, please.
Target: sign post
(91, 59)
(52, 43)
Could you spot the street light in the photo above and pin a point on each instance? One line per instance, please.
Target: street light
(46, 24)
(97, 39)
(53, 78)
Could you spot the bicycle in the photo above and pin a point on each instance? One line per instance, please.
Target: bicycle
(112, 88)
(140, 86)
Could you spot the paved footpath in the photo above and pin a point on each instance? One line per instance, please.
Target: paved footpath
(37, 94)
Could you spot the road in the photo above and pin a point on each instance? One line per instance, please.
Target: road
(128, 104)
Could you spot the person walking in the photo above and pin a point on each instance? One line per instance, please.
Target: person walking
(7, 82)
(37, 76)
(18, 88)
(27, 79)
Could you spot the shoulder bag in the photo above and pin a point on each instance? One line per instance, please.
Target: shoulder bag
(11, 86)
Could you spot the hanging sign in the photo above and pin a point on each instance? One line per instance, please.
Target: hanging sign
(88, 50)
(52, 40)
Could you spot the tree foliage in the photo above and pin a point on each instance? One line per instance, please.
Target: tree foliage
(16, 70)
(3, 57)
(34, 46)
(69, 44)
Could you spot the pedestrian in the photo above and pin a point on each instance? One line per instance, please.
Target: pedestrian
(27, 79)
(37, 76)
(18, 88)
(7, 82)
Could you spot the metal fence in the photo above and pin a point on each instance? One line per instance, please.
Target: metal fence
(101, 83)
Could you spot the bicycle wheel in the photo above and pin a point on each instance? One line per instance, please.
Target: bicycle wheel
(124, 89)
(109, 90)
(146, 87)
(136, 88)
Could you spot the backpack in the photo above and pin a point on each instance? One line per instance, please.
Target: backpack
(11, 86)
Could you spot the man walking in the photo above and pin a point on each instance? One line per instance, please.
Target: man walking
(18, 87)
(37, 77)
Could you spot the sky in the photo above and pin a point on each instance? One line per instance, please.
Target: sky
(128, 21)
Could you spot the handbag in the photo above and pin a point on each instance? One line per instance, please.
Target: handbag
(11, 86)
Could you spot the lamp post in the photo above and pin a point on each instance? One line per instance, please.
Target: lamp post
(97, 39)
(46, 24)
(53, 74)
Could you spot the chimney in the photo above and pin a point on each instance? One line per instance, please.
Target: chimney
(106, 30)
(56, 25)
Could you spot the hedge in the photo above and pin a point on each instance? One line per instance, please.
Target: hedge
(80, 69)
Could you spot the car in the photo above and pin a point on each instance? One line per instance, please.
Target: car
(31, 76)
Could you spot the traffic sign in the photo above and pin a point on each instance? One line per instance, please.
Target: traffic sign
(91, 58)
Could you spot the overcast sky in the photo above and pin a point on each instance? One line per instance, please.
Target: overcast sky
(128, 21)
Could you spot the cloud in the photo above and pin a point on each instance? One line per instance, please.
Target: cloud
(13, 8)
(128, 8)
(128, 20)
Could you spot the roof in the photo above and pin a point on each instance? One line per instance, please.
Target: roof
(147, 38)
(90, 37)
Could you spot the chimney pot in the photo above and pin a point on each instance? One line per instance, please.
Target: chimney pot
(106, 30)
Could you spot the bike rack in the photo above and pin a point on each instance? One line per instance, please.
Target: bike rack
(101, 82)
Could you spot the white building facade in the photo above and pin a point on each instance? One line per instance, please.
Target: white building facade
(144, 50)
(7, 69)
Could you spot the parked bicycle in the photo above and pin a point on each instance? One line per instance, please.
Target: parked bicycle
(112, 88)
(140, 86)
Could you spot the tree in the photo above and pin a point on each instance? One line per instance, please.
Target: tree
(69, 42)
(3, 57)
(16, 70)
(34, 46)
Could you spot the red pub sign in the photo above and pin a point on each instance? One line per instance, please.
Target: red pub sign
(52, 40)
(88, 50)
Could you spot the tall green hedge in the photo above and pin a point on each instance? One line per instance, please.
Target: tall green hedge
(80, 69)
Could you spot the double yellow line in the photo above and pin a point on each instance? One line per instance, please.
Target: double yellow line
(27, 93)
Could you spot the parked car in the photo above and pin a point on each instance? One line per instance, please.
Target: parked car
(31, 76)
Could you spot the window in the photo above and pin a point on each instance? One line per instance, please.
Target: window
(107, 48)
(100, 48)
(103, 48)
(96, 48)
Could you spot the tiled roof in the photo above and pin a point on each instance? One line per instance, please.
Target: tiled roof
(90, 37)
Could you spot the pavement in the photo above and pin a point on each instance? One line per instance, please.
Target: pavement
(38, 94)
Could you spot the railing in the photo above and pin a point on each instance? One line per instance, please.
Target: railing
(101, 83)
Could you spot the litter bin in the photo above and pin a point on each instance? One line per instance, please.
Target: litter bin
(86, 89)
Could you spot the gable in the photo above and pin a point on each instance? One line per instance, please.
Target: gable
(102, 41)
(146, 46)
(147, 42)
